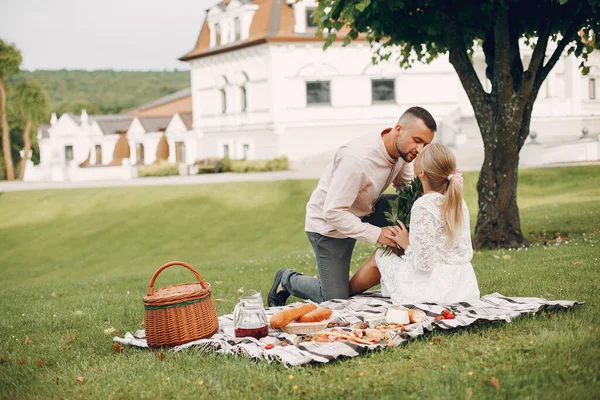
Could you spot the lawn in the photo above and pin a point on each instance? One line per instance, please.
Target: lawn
(75, 263)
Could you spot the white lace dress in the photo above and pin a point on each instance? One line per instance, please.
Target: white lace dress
(432, 269)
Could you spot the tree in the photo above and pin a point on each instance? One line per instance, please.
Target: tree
(10, 61)
(421, 30)
(75, 107)
(32, 103)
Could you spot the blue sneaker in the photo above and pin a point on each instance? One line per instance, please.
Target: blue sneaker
(277, 299)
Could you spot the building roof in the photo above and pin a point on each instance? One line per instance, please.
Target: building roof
(154, 124)
(112, 126)
(163, 100)
(100, 117)
(273, 22)
(74, 117)
(105, 117)
(187, 120)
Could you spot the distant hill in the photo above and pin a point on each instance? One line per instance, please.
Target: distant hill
(104, 91)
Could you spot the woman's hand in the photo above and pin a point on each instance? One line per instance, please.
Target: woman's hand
(400, 236)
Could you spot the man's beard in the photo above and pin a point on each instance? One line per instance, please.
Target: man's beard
(403, 155)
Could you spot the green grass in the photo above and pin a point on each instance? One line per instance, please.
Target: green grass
(76, 262)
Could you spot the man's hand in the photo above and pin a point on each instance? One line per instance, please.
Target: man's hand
(384, 237)
(399, 235)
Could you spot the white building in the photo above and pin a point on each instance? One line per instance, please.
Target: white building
(262, 87)
(79, 148)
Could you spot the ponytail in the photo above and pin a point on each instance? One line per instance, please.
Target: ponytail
(452, 205)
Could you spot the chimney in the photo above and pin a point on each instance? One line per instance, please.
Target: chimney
(84, 117)
(53, 119)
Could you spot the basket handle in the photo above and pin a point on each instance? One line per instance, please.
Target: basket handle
(203, 283)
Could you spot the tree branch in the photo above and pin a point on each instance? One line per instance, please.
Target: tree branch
(530, 77)
(502, 79)
(516, 64)
(529, 94)
(460, 60)
(566, 39)
(488, 51)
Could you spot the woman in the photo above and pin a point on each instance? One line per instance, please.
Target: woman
(436, 266)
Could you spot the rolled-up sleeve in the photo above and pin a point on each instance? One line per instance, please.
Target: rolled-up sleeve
(345, 186)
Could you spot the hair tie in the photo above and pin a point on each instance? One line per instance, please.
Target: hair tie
(457, 175)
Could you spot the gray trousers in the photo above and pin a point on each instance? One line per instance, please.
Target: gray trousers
(333, 258)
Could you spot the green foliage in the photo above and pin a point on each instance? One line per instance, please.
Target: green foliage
(401, 205)
(104, 91)
(161, 169)
(226, 164)
(418, 28)
(96, 250)
(28, 98)
(76, 107)
(275, 164)
(32, 101)
(16, 125)
(209, 165)
(10, 60)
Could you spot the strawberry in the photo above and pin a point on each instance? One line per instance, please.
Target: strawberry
(439, 318)
(449, 315)
(269, 346)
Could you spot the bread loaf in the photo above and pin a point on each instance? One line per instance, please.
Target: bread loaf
(318, 315)
(284, 317)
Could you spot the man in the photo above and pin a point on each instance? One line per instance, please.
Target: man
(344, 207)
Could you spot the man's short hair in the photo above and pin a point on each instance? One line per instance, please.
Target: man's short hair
(423, 115)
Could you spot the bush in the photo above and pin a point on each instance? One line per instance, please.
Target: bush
(161, 169)
(226, 164)
(275, 164)
(208, 165)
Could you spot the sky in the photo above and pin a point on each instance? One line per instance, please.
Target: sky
(102, 34)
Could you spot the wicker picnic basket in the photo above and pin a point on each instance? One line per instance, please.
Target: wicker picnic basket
(179, 314)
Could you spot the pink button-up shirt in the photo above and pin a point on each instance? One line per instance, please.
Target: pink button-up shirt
(350, 186)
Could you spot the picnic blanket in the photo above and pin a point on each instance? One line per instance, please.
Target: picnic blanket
(290, 350)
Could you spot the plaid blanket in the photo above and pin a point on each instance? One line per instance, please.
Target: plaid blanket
(290, 350)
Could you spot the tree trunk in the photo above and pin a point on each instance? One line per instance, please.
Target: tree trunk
(8, 161)
(498, 221)
(26, 148)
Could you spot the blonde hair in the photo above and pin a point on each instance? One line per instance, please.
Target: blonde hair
(439, 164)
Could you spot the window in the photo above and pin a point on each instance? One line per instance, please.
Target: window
(244, 99)
(309, 18)
(179, 152)
(139, 152)
(217, 34)
(592, 88)
(225, 150)
(68, 154)
(246, 151)
(382, 90)
(223, 101)
(238, 28)
(98, 154)
(318, 92)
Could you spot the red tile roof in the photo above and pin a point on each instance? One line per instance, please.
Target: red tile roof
(273, 22)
